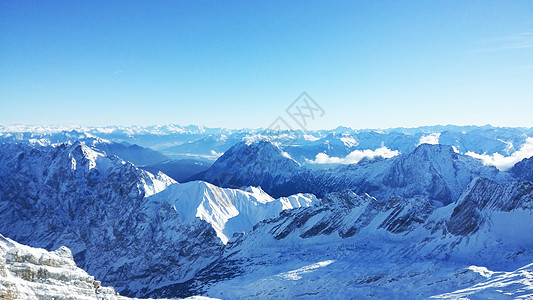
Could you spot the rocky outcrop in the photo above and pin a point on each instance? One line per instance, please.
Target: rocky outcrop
(30, 273)
(523, 169)
(484, 196)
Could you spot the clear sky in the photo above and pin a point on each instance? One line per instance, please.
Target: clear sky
(369, 64)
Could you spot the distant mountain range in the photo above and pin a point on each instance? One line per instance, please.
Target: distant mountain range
(196, 141)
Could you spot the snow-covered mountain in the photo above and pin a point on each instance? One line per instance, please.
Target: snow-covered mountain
(133, 230)
(436, 172)
(400, 213)
(228, 211)
(75, 196)
(252, 164)
(133, 153)
(355, 246)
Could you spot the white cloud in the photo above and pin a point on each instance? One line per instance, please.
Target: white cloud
(432, 139)
(506, 162)
(217, 154)
(355, 156)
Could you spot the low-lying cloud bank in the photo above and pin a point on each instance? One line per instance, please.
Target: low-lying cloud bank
(432, 139)
(355, 156)
(506, 162)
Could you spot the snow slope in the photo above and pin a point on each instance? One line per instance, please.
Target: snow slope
(517, 284)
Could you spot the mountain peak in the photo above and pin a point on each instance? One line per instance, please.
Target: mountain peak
(228, 211)
(259, 152)
(435, 171)
(80, 149)
(258, 164)
(433, 150)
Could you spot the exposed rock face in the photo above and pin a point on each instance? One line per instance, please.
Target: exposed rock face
(406, 215)
(484, 196)
(344, 213)
(30, 273)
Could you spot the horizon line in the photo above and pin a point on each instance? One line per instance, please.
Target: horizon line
(68, 127)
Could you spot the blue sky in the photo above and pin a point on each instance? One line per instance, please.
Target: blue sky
(369, 64)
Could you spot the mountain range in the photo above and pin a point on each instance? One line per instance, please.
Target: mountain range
(192, 141)
(401, 214)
